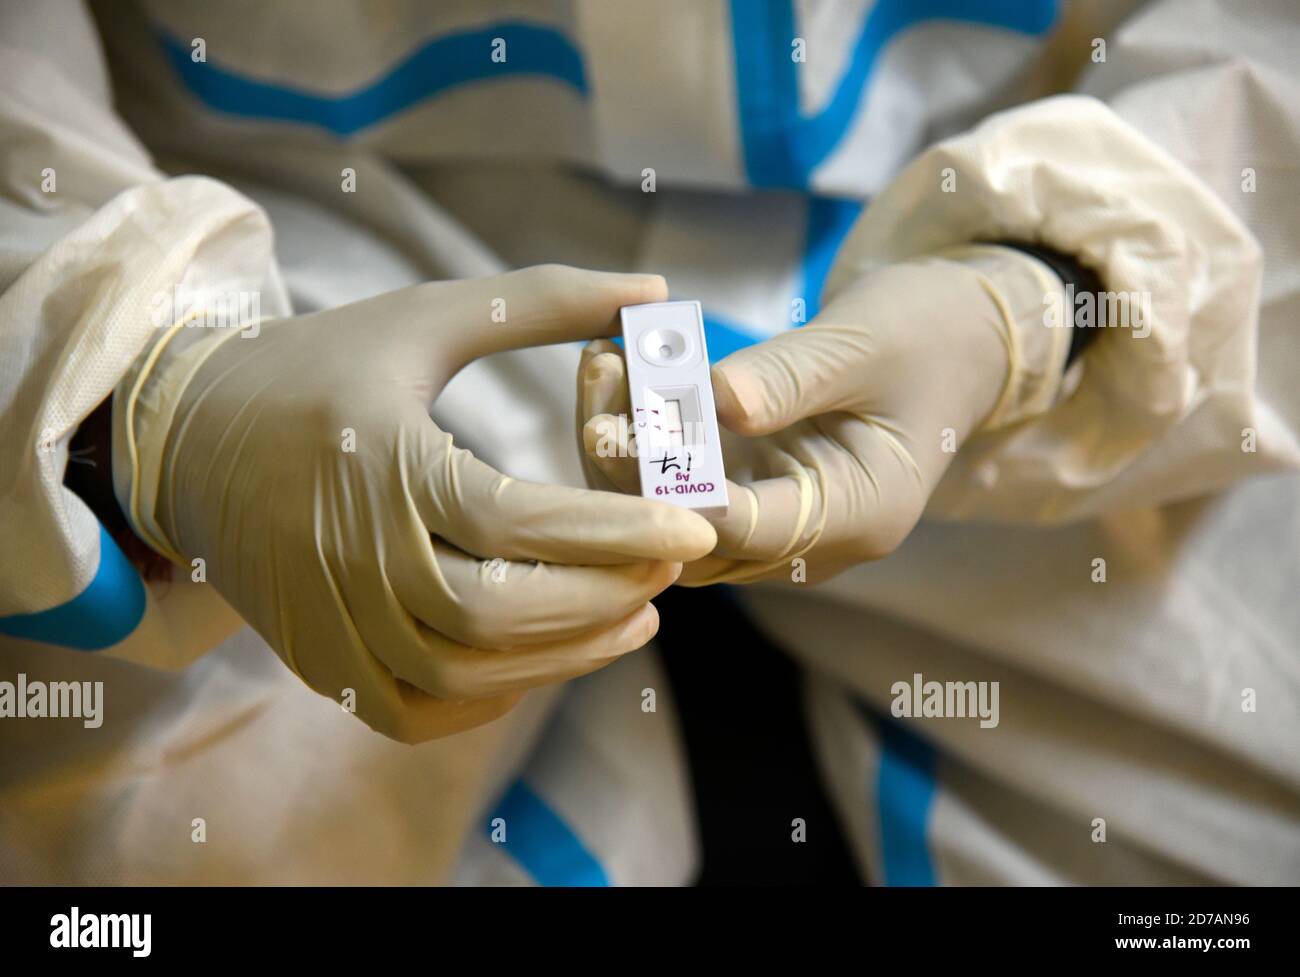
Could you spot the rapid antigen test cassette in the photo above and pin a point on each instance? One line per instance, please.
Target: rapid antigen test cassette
(679, 454)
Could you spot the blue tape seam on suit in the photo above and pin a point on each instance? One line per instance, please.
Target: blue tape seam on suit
(437, 66)
(543, 845)
(108, 610)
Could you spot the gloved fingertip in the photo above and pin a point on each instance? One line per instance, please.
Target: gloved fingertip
(695, 536)
(596, 430)
(654, 288)
(604, 365)
(648, 622)
(632, 289)
(598, 346)
(664, 573)
(733, 411)
(632, 633)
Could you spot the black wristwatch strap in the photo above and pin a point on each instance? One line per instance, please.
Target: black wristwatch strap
(1070, 272)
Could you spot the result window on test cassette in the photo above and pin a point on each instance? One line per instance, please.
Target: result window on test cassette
(674, 416)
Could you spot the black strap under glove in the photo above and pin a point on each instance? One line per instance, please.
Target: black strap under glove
(1068, 269)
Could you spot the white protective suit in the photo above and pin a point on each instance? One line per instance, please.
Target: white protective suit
(1149, 717)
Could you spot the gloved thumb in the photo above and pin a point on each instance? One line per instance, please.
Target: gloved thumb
(771, 385)
(549, 304)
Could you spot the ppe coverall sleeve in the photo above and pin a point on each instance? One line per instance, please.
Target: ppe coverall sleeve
(91, 237)
(1151, 191)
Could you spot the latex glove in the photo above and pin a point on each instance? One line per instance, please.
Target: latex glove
(850, 421)
(348, 530)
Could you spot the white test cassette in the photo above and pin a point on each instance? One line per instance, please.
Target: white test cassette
(679, 454)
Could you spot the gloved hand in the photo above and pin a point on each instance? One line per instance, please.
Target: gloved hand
(849, 422)
(302, 466)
